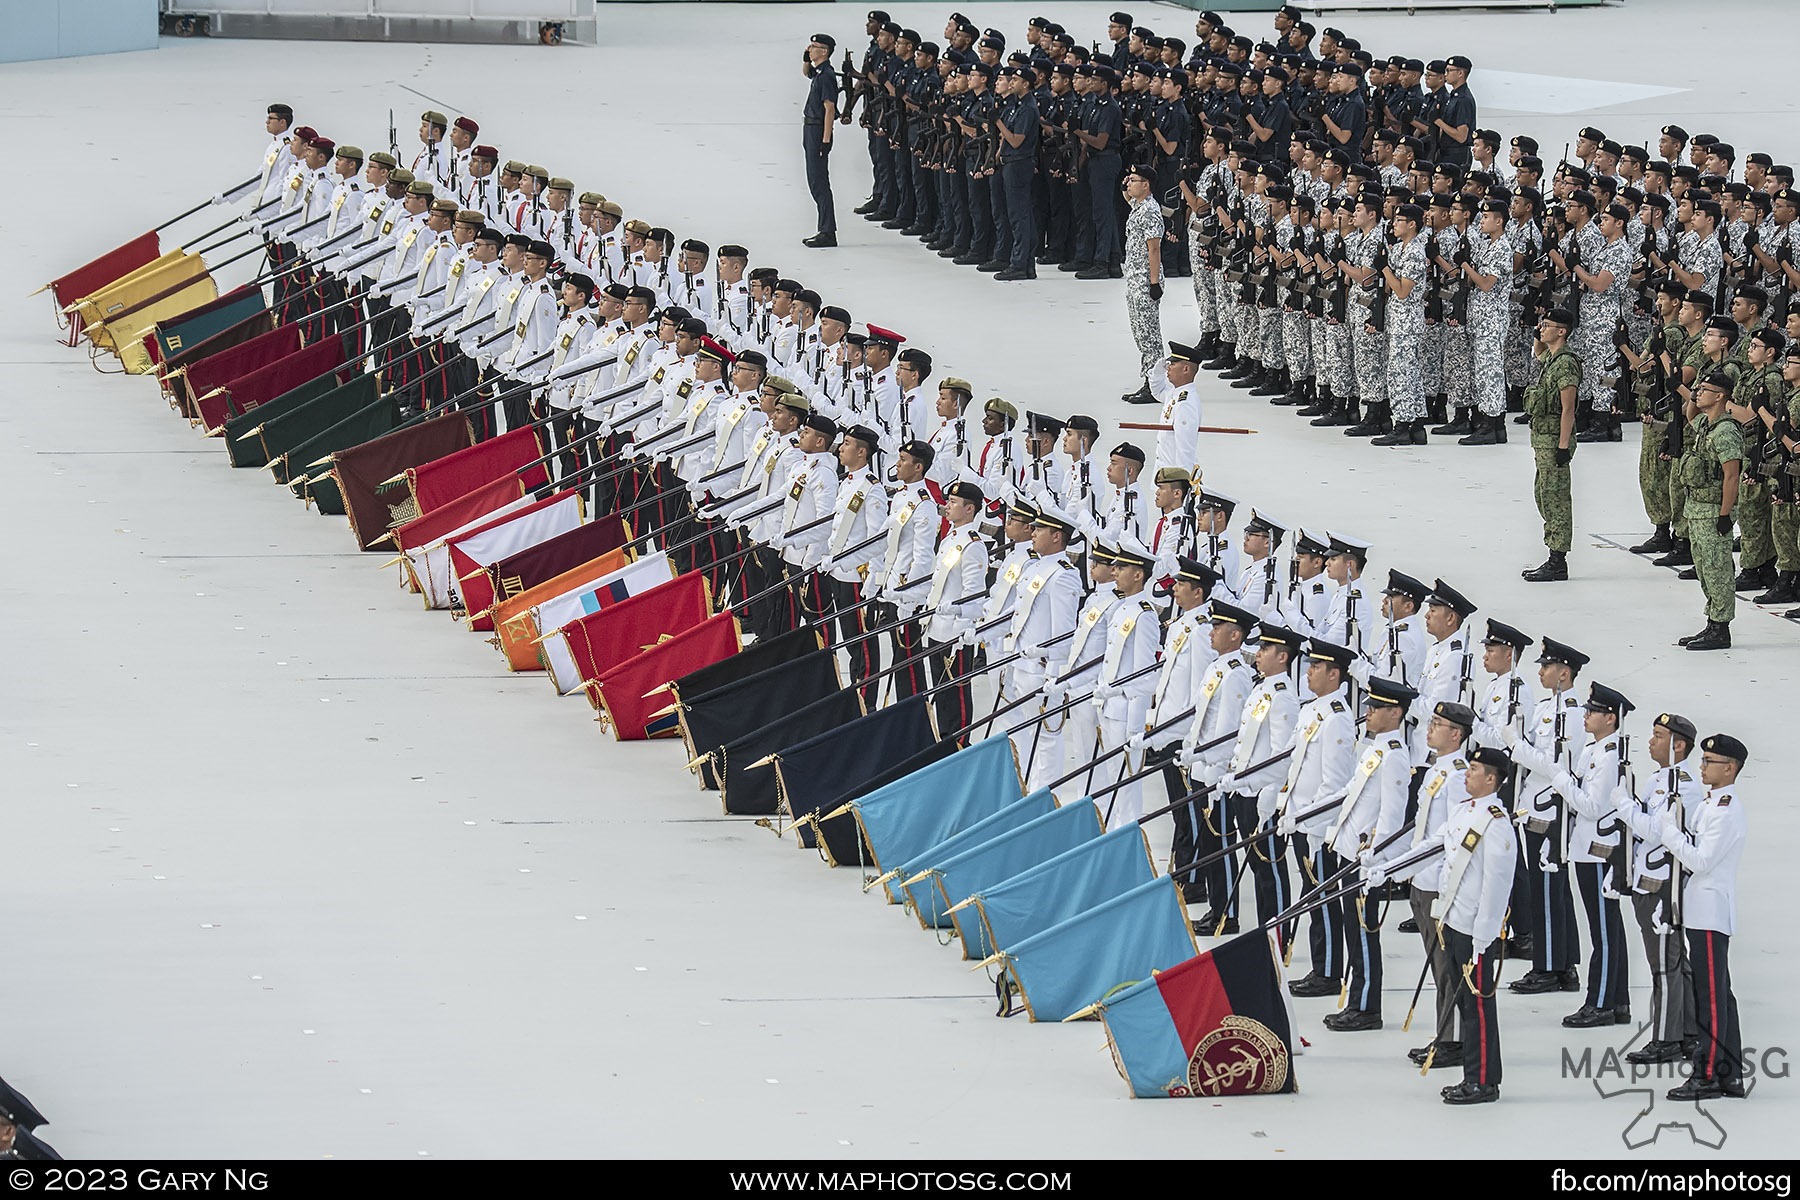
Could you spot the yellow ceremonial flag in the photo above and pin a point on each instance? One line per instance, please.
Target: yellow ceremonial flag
(117, 316)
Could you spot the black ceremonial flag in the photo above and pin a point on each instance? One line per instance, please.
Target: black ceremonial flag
(817, 772)
(748, 790)
(728, 712)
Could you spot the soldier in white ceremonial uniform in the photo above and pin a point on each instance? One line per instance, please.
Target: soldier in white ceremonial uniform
(1206, 752)
(1709, 844)
(1449, 670)
(1305, 604)
(1550, 740)
(1257, 767)
(811, 493)
(1317, 774)
(1480, 855)
(952, 442)
(1171, 383)
(1127, 680)
(765, 472)
(859, 512)
(1213, 541)
(432, 162)
(1173, 536)
(277, 157)
(1085, 493)
(731, 294)
(689, 455)
(1373, 810)
(535, 316)
(1443, 789)
(480, 188)
(1595, 837)
(690, 286)
(912, 528)
(958, 588)
(1077, 725)
(1042, 474)
(1015, 554)
(999, 456)
(1186, 655)
(1397, 651)
(1258, 583)
(1131, 508)
(1350, 620)
(883, 384)
(912, 413)
(1674, 788)
(1048, 601)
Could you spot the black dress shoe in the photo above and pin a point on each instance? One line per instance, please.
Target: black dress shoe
(1074, 264)
(820, 241)
(1094, 272)
(1446, 1054)
(1697, 1088)
(915, 230)
(1588, 1017)
(1115, 272)
(1314, 984)
(865, 208)
(1534, 983)
(1209, 926)
(1410, 925)
(953, 252)
(1353, 1020)
(966, 259)
(1471, 1093)
(1010, 275)
(1518, 946)
(1142, 396)
(893, 223)
(879, 216)
(1656, 1052)
(992, 266)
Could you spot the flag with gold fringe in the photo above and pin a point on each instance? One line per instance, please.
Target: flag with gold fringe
(600, 641)
(948, 880)
(710, 717)
(1054, 890)
(471, 553)
(747, 780)
(814, 773)
(359, 470)
(551, 618)
(620, 692)
(515, 627)
(1215, 1025)
(90, 277)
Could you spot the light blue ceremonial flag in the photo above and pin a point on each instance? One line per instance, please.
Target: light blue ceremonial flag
(1080, 961)
(911, 815)
(1003, 857)
(1038, 897)
(923, 895)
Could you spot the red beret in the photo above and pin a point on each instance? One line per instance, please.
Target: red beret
(487, 152)
(467, 126)
(324, 144)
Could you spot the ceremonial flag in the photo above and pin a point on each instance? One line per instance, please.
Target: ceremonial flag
(242, 445)
(265, 383)
(515, 629)
(746, 789)
(442, 480)
(916, 813)
(621, 690)
(795, 643)
(589, 594)
(583, 544)
(1079, 961)
(170, 337)
(212, 372)
(838, 837)
(710, 717)
(426, 527)
(309, 464)
(428, 561)
(947, 881)
(814, 773)
(303, 422)
(173, 377)
(916, 873)
(116, 317)
(90, 277)
(598, 642)
(1215, 1025)
(360, 469)
(470, 552)
(1055, 890)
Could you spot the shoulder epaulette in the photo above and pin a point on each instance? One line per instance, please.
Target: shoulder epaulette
(1395, 744)
(1318, 587)
(1495, 812)
(1337, 706)
(1459, 764)
(1278, 686)
(1724, 801)
(1146, 606)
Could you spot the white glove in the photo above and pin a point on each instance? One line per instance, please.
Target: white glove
(1228, 783)
(826, 564)
(1284, 825)
(1668, 829)
(1544, 861)
(1055, 695)
(218, 198)
(1510, 735)
(1136, 744)
(1564, 783)
(1373, 873)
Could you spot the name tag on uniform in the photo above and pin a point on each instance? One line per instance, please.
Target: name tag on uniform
(521, 329)
(456, 268)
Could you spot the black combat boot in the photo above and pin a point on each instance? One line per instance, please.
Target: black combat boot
(1551, 570)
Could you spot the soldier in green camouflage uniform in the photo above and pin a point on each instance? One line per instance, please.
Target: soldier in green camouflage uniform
(1710, 351)
(1550, 403)
(1663, 343)
(1757, 384)
(1785, 514)
(1711, 465)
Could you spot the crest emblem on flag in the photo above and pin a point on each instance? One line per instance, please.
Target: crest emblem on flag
(1242, 1057)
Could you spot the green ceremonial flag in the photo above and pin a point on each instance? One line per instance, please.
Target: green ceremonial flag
(301, 425)
(312, 457)
(248, 451)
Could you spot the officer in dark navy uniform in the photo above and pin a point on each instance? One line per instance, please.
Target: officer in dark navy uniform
(819, 119)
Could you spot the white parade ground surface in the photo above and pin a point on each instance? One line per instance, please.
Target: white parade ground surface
(295, 868)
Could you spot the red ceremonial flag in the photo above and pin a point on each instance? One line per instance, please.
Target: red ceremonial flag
(583, 544)
(90, 277)
(620, 692)
(265, 383)
(208, 374)
(474, 549)
(601, 641)
(438, 482)
(361, 469)
(429, 527)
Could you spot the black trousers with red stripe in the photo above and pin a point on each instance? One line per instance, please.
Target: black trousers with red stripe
(807, 600)
(1720, 1055)
(955, 705)
(908, 639)
(1475, 1005)
(865, 654)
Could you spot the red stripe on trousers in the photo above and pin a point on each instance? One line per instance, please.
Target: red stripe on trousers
(1712, 1005)
(1481, 1022)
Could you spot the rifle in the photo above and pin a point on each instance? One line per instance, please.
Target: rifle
(393, 136)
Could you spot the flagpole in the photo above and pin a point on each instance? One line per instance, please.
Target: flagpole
(209, 233)
(205, 250)
(1168, 724)
(891, 625)
(1303, 907)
